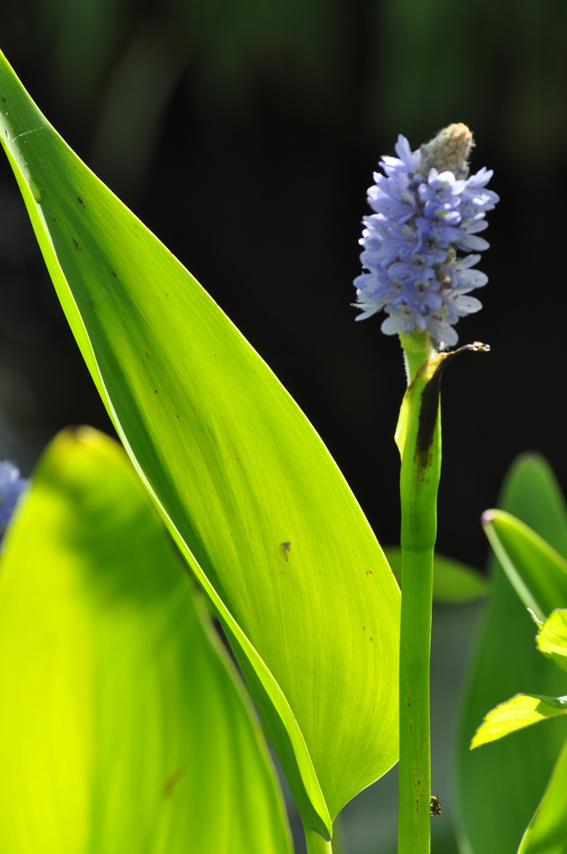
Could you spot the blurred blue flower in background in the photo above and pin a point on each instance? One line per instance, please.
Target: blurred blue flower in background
(426, 211)
(11, 487)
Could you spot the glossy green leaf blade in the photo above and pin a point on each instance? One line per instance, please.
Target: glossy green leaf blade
(547, 831)
(536, 570)
(453, 582)
(552, 637)
(520, 711)
(123, 726)
(250, 493)
(499, 787)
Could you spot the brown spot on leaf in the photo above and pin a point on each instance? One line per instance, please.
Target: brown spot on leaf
(172, 782)
(76, 245)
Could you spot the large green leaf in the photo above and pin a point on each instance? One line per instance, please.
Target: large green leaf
(547, 831)
(247, 488)
(500, 785)
(536, 570)
(123, 726)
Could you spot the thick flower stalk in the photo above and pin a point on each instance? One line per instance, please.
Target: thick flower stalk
(420, 251)
(420, 243)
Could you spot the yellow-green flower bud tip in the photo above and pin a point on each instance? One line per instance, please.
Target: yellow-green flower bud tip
(448, 151)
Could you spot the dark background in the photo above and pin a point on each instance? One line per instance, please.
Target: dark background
(245, 133)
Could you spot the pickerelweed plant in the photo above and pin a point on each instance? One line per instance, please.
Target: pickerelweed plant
(120, 751)
(418, 247)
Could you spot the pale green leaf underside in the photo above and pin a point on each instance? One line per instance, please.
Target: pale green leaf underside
(123, 726)
(547, 831)
(536, 570)
(521, 711)
(453, 582)
(236, 470)
(552, 637)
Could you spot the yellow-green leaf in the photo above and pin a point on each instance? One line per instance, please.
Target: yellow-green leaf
(521, 711)
(245, 485)
(123, 725)
(552, 637)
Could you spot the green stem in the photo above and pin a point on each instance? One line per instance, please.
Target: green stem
(417, 349)
(419, 438)
(415, 756)
(316, 844)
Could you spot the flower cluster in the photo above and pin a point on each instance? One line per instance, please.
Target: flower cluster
(417, 243)
(11, 487)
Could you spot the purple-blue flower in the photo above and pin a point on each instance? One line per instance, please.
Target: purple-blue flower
(11, 487)
(427, 217)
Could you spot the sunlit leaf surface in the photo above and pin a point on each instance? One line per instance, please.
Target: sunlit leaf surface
(123, 725)
(500, 785)
(247, 488)
(521, 711)
(552, 637)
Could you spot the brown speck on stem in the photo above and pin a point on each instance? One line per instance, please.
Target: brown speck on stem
(80, 201)
(114, 274)
(155, 390)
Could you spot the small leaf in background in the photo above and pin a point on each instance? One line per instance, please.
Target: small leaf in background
(499, 787)
(453, 582)
(235, 469)
(521, 711)
(123, 724)
(552, 637)
(547, 831)
(536, 570)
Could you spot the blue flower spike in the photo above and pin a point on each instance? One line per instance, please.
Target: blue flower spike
(418, 242)
(11, 487)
